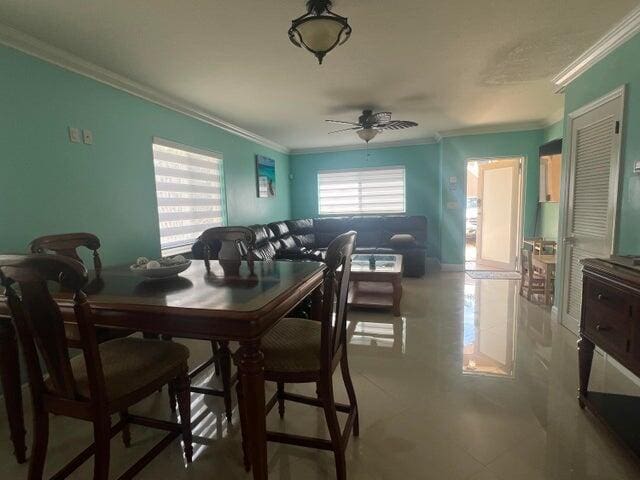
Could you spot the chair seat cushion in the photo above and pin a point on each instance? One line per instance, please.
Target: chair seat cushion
(293, 345)
(130, 364)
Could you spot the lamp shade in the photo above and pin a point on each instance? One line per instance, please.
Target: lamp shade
(319, 30)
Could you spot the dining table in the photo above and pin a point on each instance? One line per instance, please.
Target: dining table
(197, 304)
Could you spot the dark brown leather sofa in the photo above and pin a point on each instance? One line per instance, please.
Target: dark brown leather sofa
(307, 239)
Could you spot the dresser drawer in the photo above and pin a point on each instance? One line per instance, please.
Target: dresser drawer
(607, 319)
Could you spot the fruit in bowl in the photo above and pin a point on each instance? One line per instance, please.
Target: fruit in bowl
(161, 268)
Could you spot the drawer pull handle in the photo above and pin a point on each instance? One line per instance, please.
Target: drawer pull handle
(601, 297)
(602, 328)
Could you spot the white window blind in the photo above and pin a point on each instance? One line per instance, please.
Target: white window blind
(374, 190)
(189, 193)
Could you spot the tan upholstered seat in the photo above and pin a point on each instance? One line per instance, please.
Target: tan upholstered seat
(293, 345)
(130, 364)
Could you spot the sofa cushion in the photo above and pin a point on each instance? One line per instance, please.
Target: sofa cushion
(305, 240)
(300, 226)
(264, 252)
(413, 225)
(287, 243)
(402, 240)
(369, 238)
(335, 225)
(261, 233)
(280, 229)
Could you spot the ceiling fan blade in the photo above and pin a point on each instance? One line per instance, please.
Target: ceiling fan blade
(382, 118)
(340, 122)
(347, 129)
(398, 125)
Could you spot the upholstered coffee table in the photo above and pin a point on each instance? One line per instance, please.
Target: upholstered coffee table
(379, 287)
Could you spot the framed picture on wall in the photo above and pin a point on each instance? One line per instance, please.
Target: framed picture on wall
(265, 176)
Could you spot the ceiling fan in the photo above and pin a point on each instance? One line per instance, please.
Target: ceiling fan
(370, 124)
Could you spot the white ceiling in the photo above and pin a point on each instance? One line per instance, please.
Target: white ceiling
(446, 64)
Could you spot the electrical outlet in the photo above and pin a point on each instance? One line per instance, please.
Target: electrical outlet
(74, 135)
(87, 137)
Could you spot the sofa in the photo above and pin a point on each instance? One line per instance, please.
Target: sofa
(308, 239)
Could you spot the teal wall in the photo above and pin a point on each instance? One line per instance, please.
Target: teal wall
(620, 67)
(422, 167)
(454, 153)
(49, 185)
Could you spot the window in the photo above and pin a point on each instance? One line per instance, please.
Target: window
(189, 193)
(372, 190)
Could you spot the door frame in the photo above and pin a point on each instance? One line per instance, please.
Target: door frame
(566, 202)
(521, 184)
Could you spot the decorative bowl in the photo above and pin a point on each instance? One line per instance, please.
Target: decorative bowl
(162, 268)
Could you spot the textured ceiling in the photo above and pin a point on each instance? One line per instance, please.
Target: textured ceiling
(445, 64)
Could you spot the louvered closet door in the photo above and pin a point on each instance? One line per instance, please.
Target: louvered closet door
(593, 187)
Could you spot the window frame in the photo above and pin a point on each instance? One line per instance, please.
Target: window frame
(186, 248)
(368, 169)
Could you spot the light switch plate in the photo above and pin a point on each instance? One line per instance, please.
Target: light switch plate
(636, 167)
(452, 205)
(87, 137)
(74, 135)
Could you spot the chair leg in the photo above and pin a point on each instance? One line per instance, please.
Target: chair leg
(246, 457)
(225, 367)
(281, 399)
(126, 429)
(39, 446)
(102, 441)
(331, 415)
(351, 393)
(172, 396)
(215, 349)
(182, 386)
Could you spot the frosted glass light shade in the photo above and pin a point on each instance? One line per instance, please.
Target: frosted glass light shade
(367, 134)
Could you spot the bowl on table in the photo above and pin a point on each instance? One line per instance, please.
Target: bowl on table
(162, 268)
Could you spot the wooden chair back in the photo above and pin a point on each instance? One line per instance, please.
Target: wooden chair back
(235, 243)
(67, 244)
(39, 322)
(334, 300)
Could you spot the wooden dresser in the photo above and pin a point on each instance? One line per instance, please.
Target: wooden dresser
(611, 321)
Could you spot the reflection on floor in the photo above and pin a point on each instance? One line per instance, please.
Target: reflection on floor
(473, 383)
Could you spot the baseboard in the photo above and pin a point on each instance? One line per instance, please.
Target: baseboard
(452, 267)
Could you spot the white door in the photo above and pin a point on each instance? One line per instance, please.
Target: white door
(498, 209)
(594, 166)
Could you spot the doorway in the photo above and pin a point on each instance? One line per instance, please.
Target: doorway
(493, 213)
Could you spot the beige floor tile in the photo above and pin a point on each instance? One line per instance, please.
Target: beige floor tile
(471, 383)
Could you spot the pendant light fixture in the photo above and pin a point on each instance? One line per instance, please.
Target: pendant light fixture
(319, 30)
(367, 134)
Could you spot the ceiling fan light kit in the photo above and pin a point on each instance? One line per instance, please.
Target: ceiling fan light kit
(319, 30)
(371, 124)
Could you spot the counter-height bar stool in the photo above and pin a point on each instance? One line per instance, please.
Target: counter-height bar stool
(309, 351)
(106, 379)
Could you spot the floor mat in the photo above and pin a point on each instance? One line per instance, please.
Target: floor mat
(492, 275)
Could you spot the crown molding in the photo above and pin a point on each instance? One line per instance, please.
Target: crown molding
(486, 129)
(619, 34)
(25, 43)
(372, 146)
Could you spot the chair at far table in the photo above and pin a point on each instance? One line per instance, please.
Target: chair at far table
(236, 242)
(67, 245)
(105, 380)
(309, 351)
(531, 282)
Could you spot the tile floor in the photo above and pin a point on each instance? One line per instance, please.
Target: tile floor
(472, 383)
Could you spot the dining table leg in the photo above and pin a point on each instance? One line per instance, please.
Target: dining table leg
(10, 380)
(250, 362)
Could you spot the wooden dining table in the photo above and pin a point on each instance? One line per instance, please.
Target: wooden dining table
(198, 305)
